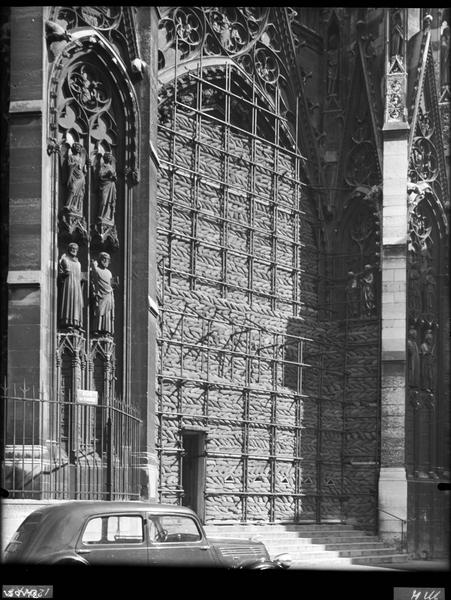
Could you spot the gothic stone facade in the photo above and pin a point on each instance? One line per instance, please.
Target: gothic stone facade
(231, 224)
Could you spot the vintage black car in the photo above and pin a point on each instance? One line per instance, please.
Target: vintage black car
(129, 533)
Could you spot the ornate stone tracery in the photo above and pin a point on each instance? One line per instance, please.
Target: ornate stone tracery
(115, 23)
(247, 34)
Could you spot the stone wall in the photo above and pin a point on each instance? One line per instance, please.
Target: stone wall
(361, 414)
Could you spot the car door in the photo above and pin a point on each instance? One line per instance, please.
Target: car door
(114, 539)
(176, 539)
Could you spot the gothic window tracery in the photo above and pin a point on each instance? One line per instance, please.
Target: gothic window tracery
(247, 34)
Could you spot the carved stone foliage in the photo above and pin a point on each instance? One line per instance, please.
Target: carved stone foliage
(396, 97)
(248, 34)
(424, 159)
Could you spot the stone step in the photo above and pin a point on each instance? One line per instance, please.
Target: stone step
(324, 562)
(312, 544)
(281, 527)
(301, 531)
(319, 552)
(325, 537)
(351, 553)
(279, 546)
(379, 559)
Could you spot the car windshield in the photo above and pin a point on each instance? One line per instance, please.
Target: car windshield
(24, 533)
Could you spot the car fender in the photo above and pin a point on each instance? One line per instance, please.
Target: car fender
(70, 559)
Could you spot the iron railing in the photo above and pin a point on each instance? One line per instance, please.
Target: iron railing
(68, 450)
(403, 523)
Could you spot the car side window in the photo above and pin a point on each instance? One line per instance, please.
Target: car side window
(93, 532)
(114, 529)
(173, 528)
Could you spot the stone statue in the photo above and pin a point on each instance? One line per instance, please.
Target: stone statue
(332, 65)
(103, 295)
(444, 54)
(107, 189)
(367, 283)
(353, 294)
(427, 352)
(71, 294)
(429, 291)
(414, 290)
(76, 180)
(397, 34)
(413, 358)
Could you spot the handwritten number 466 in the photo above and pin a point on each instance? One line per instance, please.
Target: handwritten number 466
(423, 595)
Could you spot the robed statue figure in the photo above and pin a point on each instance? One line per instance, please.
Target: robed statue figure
(103, 295)
(71, 295)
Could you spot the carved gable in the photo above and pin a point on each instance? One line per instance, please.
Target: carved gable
(116, 23)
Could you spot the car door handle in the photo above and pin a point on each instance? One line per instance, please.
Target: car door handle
(81, 551)
(204, 547)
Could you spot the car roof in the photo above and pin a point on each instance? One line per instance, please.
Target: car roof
(101, 506)
(70, 516)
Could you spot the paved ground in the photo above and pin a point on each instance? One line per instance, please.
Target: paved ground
(412, 565)
(332, 567)
(421, 565)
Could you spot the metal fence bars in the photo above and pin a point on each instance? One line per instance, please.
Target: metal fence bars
(68, 450)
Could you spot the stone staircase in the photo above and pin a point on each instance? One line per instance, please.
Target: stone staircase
(314, 545)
